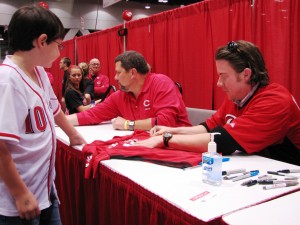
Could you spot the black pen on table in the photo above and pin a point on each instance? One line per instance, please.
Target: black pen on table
(289, 171)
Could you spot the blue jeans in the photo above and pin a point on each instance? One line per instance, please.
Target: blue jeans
(49, 216)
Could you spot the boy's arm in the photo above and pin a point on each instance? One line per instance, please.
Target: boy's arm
(26, 202)
(65, 125)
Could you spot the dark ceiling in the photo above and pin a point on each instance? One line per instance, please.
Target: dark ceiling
(170, 2)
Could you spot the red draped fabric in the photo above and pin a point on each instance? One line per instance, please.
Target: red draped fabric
(78, 196)
(105, 46)
(110, 198)
(276, 27)
(181, 44)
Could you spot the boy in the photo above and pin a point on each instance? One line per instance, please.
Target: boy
(27, 128)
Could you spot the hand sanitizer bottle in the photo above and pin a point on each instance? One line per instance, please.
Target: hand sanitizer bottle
(212, 164)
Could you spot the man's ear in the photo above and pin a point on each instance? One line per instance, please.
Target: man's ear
(41, 40)
(133, 72)
(247, 73)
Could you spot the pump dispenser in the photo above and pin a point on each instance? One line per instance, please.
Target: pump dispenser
(212, 163)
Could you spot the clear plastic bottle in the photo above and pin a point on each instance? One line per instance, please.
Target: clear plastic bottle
(212, 164)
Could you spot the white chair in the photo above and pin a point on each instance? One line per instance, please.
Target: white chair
(197, 116)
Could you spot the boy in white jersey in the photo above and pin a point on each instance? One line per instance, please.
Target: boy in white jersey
(27, 128)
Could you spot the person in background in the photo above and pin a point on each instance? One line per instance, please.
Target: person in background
(27, 128)
(88, 83)
(74, 94)
(101, 81)
(64, 64)
(144, 99)
(257, 117)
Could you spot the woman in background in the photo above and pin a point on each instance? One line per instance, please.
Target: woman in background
(88, 84)
(74, 94)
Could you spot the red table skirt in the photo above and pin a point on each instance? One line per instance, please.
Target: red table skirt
(110, 198)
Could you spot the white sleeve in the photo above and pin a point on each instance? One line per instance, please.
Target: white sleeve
(13, 113)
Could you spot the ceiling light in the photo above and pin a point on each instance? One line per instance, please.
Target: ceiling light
(147, 6)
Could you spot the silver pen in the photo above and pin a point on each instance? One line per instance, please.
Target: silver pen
(244, 176)
(292, 183)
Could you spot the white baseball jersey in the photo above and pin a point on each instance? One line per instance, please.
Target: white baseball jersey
(27, 126)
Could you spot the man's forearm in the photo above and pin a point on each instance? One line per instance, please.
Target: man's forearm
(72, 119)
(145, 124)
(189, 130)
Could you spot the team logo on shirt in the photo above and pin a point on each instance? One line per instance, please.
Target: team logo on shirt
(229, 118)
(147, 104)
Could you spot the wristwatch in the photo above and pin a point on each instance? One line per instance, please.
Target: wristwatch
(166, 137)
(131, 125)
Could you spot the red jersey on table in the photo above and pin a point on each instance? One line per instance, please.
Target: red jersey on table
(123, 148)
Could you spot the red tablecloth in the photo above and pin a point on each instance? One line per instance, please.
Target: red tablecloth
(110, 198)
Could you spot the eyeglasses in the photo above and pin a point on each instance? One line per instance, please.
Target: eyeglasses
(60, 45)
(233, 47)
(95, 64)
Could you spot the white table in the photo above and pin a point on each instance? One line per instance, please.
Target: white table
(183, 188)
(103, 132)
(283, 210)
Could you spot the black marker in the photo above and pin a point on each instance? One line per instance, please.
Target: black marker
(280, 185)
(249, 183)
(274, 181)
(289, 171)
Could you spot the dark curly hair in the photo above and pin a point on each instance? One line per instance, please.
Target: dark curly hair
(243, 54)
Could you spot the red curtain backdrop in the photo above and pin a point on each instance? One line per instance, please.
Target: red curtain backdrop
(276, 29)
(105, 46)
(181, 43)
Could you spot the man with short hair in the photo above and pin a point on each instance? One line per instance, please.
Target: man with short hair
(101, 81)
(64, 65)
(143, 101)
